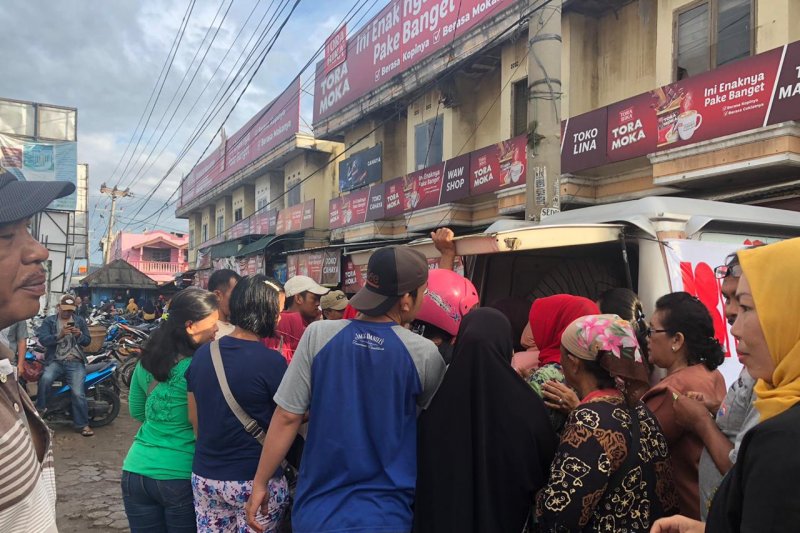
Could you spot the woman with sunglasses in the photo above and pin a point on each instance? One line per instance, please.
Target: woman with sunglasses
(760, 492)
(681, 341)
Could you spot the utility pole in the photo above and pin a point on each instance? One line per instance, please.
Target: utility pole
(114, 193)
(544, 110)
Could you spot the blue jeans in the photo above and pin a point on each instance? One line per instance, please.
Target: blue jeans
(75, 374)
(158, 505)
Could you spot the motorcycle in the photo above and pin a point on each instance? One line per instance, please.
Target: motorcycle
(102, 395)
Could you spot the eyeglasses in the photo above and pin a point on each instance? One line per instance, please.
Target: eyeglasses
(649, 331)
(724, 271)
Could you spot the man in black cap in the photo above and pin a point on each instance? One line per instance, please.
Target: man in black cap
(364, 382)
(27, 486)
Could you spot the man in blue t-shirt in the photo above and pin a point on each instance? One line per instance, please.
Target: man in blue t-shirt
(364, 382)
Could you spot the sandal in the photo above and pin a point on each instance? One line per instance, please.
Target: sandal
(87, 432)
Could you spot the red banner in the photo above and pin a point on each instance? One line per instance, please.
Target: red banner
(323, 266)
(741, 96)
(499, 166)
(404, 33)
(277, 122)
(296, 218)
(335, 49)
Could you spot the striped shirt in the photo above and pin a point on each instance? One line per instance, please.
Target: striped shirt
(27, 477)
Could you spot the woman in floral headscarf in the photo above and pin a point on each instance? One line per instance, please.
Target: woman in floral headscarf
(611, 471)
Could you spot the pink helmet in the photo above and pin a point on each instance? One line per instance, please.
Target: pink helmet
(449, 297)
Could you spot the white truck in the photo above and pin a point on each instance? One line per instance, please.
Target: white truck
(654, 245)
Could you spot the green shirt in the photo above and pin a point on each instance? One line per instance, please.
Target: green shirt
(163, 448)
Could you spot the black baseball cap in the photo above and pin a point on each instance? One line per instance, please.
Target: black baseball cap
(392, 272)
(23, 199)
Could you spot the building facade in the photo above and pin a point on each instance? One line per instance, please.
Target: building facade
(423, 117)
(158, 254)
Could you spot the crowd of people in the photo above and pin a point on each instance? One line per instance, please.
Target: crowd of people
(409, 407)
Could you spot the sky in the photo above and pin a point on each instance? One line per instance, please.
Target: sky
(104, 58)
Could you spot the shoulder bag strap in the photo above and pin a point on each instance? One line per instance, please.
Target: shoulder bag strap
(153, 385)
(250, 425)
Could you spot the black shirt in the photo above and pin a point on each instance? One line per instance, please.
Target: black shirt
(761, 493)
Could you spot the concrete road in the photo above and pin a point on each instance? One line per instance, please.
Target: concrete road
(88, 471)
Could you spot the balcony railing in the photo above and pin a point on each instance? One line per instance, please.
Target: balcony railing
(159, 267)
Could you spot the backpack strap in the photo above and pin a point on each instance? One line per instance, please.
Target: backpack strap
(250, 425)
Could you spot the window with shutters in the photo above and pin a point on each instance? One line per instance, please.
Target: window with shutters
(428, 143)
(519, 95)
(712, 33)
(238, 214)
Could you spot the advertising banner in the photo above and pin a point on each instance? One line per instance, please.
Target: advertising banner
(361, 169)
(691, 267)
(404, 33)
(394, 203)
(264, 222)
(364, 205)
(456, 179)
(423, 188)
(42, 161)
(499, 166)
(323, 266)
(747, 94)
(240, 229)
(296, 218)
(355, 275)
(335, 50)
(276, 123)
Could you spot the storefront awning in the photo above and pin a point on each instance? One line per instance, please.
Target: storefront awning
(225, 249)
(256, 246)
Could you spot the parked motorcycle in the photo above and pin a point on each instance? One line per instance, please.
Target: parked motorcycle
(102, 395)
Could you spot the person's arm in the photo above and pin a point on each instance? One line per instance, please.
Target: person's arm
(137, 396)
(443, 240)
(47, 334)
(694, 416)
(283, 428)
(678, 524)
(660, 404)
(192, 407)
(84, 339)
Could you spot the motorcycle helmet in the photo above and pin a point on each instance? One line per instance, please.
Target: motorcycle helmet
(448, 298)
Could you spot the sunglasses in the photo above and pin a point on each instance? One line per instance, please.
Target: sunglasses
(724, 271)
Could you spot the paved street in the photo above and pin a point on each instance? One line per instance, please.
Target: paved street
(88, 475)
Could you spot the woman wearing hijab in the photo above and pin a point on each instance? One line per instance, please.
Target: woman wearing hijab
(485, 443)
(611, 471)
(549, 317)
(760, 492)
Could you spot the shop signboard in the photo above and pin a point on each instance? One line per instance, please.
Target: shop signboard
(264, 222)
(751, 93)
(401, 35)
(335, 50)
(499, 166)
(361, 168)
(276, 123)
(296, 218)
(323, 266)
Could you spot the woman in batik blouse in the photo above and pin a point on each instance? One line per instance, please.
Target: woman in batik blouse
(611, 471)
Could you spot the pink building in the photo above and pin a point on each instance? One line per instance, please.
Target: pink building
(158, 254)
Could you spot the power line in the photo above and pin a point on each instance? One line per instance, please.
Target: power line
(278, 33)
(349, 16)
(160, 89)
(185, 92)
(420, 90)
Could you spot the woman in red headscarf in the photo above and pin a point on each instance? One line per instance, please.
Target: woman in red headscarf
(549, 317)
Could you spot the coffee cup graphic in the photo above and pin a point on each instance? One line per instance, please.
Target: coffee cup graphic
(688, 121)
(516, 171)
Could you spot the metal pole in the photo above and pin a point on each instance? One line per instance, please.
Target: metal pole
(114, 193)
(544, 111)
